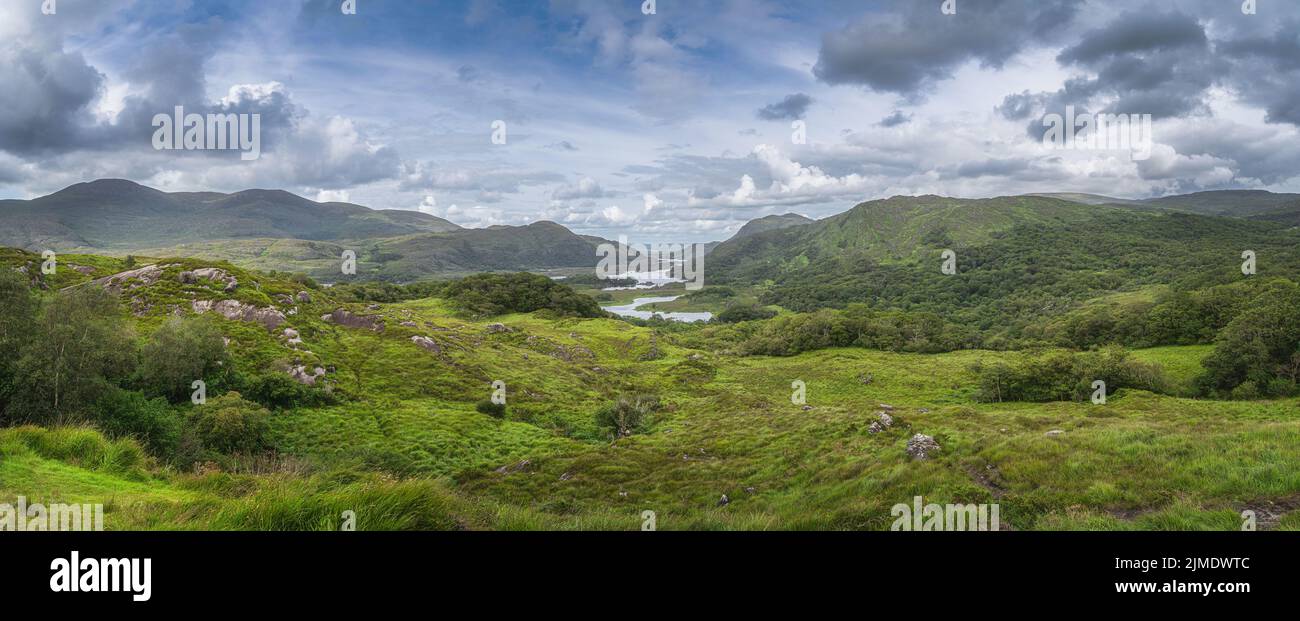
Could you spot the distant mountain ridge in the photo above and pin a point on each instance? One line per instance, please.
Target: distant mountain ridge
(115, 214)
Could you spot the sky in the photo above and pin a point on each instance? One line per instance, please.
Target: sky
(678, 125)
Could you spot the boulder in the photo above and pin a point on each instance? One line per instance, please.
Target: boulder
(883, 422)
(304, 297)
(427, 343)
(300, 374)
(343, 317)
(922, 447)
(143, 277)
(235, 310)
(498, 328)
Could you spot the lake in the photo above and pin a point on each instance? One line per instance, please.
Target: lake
(630, 310)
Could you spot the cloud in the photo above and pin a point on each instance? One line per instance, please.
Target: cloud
(908, 50)
(895, 119)
(792, 107)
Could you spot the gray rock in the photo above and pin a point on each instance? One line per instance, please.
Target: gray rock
(922, 447)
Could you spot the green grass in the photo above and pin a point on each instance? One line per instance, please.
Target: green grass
(405, 449)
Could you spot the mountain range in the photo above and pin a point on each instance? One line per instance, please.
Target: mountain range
(278, 230)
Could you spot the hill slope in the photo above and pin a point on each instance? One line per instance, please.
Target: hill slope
(114, 214)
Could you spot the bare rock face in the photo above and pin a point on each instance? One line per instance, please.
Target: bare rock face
(214, 274)
(235, 310)
(921, 447)
(300, 374)
(131, 279)
(344, 317)
(427, 343)
(292, 338)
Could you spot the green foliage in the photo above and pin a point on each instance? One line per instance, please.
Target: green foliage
(125, 413)
(487, 406)
(1065, 376)
(230, 424)
(18, 309)
(486, 295)
(737, 313)
(1257, 353)
(181, 351)
(857, 326)
(81, 346)
(627, 415)
(277, 391)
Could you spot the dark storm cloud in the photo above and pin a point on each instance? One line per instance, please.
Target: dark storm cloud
(907, 53)
(895, 119)
(1136, 32)
(792, 107)
(1269, 70)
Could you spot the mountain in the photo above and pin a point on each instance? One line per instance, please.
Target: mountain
(1260, 204)
(771, 223)
(1238, 203)
(890, 229)
(115, 214)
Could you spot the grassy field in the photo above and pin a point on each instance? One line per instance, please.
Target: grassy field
(405, 447)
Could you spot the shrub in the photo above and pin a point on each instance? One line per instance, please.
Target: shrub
(230, 424)
(626, 416)
(495, 410)
(1064, 376)
(737, 313)
(496, 294)
(124, 413)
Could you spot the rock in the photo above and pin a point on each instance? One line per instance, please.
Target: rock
(427, 343)
(921, 447)
(924, 410)
(497, 328)
(284, 299)
(343, 317)
(806, 408)
(145, 276)
(373, 307)
(519, 467)
(1054, 433)
(724, 501)
(566, 476)
(83, 269)
(216, 275)
(409, 324)
(749, 490)
(235, 310)
(300, 374)
(292, 337)
(304, 297)
(886, 406)
(884, 422)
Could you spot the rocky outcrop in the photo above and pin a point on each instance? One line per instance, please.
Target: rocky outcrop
(217, 275)
(235, 310)
(292, 338)
(498, 328)
(883, 422)
(300, 375)
(427, 343)
(131, 279)
(343, 317)
(921, 447)
(304, 297)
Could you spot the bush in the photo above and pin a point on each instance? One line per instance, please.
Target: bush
(495, 410)
(230, 424)
(495, 294)
(1064, 376)
(737, 313)
(278, 391)
(124, 413)
(626, 416)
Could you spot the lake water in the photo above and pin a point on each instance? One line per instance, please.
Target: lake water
(630, 310)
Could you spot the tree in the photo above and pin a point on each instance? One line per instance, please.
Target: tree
(179, 352)
(81, 346)
(17, 314)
